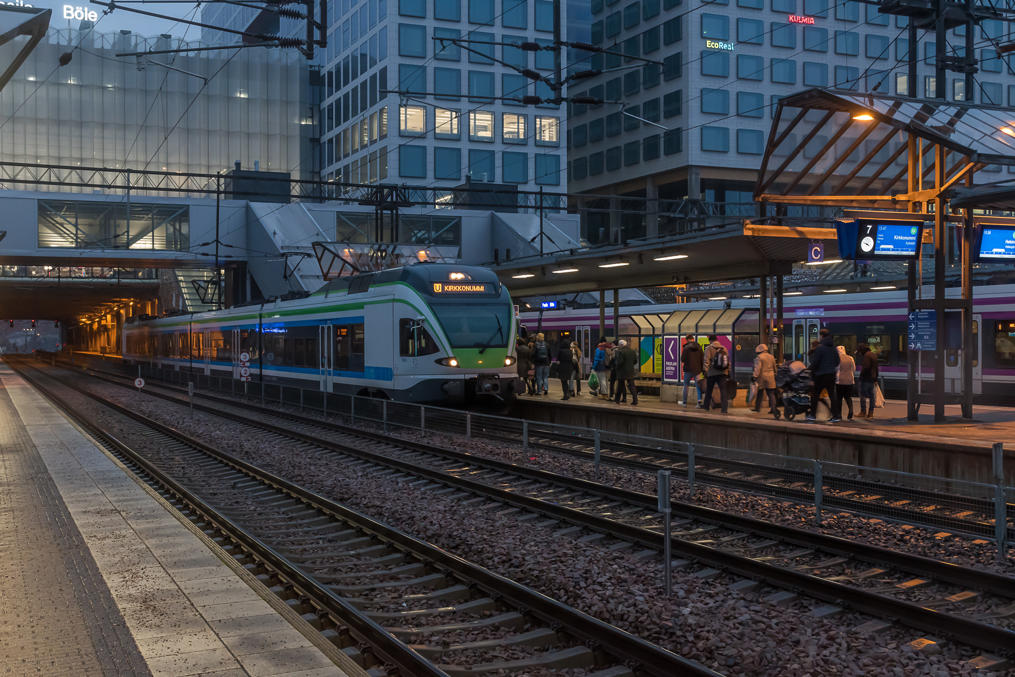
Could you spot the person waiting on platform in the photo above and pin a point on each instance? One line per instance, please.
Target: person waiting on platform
(541, 360)
(844, 380)
(692, 361)
(625, 362)
(764, 378)
(824, 366)
(868, 379)
(524, 355)
(599, 366)
(564, 369)
(576, 369)
(717, 363)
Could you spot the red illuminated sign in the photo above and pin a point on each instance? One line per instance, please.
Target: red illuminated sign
(798, 19)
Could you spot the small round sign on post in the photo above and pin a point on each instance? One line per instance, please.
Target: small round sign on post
(244, 357)
(139, 383)
(244, 371)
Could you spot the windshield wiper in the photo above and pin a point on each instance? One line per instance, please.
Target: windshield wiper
(499, 332)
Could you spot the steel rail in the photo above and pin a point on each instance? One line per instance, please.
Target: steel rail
(652, 658)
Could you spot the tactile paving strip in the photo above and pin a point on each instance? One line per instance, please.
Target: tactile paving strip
(56, 614)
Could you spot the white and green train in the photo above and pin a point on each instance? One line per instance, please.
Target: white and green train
(422, 333)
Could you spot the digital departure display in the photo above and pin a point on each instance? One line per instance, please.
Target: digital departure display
(886, 239)
(997, 243)
(462, 288)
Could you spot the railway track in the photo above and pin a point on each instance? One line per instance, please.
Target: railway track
(400, 605)
(971, 606)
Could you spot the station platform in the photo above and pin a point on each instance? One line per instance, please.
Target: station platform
(99, 577)
(957, 448)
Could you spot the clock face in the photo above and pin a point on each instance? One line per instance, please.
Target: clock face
(867, 244)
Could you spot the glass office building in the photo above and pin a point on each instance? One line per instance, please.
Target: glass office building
(212, 109)
(708, 107)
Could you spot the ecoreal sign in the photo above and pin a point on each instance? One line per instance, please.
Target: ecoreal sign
(77, 13)
(719, 44)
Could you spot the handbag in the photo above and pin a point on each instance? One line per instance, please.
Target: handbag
(593, 381)
(752, 393)
(879, 397)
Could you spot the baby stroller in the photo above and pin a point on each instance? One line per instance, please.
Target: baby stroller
(795, 385)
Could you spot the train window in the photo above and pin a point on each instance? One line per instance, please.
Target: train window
(414, 340)
(901, 346)
(881, 344)
(1004, 343)
(220, 346)
(349, 347)
(249, 343)
(847, 341)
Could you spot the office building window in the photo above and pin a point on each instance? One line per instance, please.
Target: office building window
(902, 50)
(513, 55)
(750, 105)
(650, 148)
(875, 17)
(784, 71)
(714, 26)
(847, 43)
(613, 124)
(750, 141)
(514, 85)
(958, 90)
(815, 74)
(547, 169)
(579, 136)
(650, 110)
(783, 35)
(411, 78)
(715, 101)
(482, 48)
(632, 153)
(446, 51)
(751, 4)
(412, 7)
(547, 130)
(750, 67)
(596, 164)
(716, 64)
(632, 113)
(673, 65)
(597, 32)
(412, 120)
(447, 163)
(411, 40)
(446, 123)
(815, 39)
(990, 93)
(632, 15)
(1011, 96)
(848, 11)
(650, 40)
(512, 127)
(751, 31)
(989, 61)
(673, 103)
(632, 83)
(481, 125)
(447, 10)
(544, 57)
(412, 161)
(650, 75)
(579, 169)
(817, 8)
(543, 19)
(613, 25)
(673, 31)
(846, 76)
(481, 12)
(876, 47)
(447, 83)
(515, 13)
(596, 130)
(613, 158)
(902, 84)
(673, 141)
(649, 9)
(784, 6)
(715, 139)
(930, 86)
(481, 86)
(515, 167)
(481, 165)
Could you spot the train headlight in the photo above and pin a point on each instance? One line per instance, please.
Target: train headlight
(448, 362)
(508, 361)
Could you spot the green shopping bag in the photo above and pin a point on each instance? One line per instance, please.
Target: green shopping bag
(593, 382)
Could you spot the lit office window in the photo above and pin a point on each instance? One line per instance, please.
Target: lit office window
(481, 125)
(446, 123)
(547, 130)
(902, 84)
(513, 127)
(383, 122)
(958, 90)
(412, 120)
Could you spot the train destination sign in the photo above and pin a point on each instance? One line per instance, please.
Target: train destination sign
(888, 239)
(461, 288)
(997, 243)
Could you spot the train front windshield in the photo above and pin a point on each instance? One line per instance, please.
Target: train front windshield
(475, 325)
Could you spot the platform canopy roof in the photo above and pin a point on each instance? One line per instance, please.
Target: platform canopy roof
(836, 147)
(1000, 196)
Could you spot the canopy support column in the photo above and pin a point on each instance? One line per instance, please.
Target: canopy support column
(602, 313)
(763, 334)
(616, 314)
(779, 323)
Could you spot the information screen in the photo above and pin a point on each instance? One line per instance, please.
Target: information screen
(885, 239)
(997, 243)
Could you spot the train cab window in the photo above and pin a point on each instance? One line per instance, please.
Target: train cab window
(1004, 343)
(414, 340)
(349, 347)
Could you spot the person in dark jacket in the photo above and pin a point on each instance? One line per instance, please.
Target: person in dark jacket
(824, 366)
(625, 362)
(692, 360)
(717, 365)
(564, 368)
(868, 379)
(540, 356)
(523, 365)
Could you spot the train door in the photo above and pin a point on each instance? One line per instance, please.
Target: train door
(805, 331)
(236, 353)
(953, 364)
(584, 339)
(326, 350)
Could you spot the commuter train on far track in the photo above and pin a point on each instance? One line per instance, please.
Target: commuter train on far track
(422, 333)
(877, 318)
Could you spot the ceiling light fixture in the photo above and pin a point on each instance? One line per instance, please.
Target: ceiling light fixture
(522, 276)
(884, 287)
(561, 271)
(793, 293)
(863, 117)
(616, 264)
(717, 298)
(1008, 130)
(823, 263)
(670, 257)
(833, 291)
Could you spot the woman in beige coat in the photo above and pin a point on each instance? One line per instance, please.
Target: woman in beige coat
(844, 380)
(764, 377)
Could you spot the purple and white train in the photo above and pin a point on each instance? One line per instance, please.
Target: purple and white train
(877, 318)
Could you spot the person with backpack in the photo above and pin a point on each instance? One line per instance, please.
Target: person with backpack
(824, 366)
(692, 360)
(718, 366)
(541, 360)
(625, 361)
(868, 380)
(599, 366)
